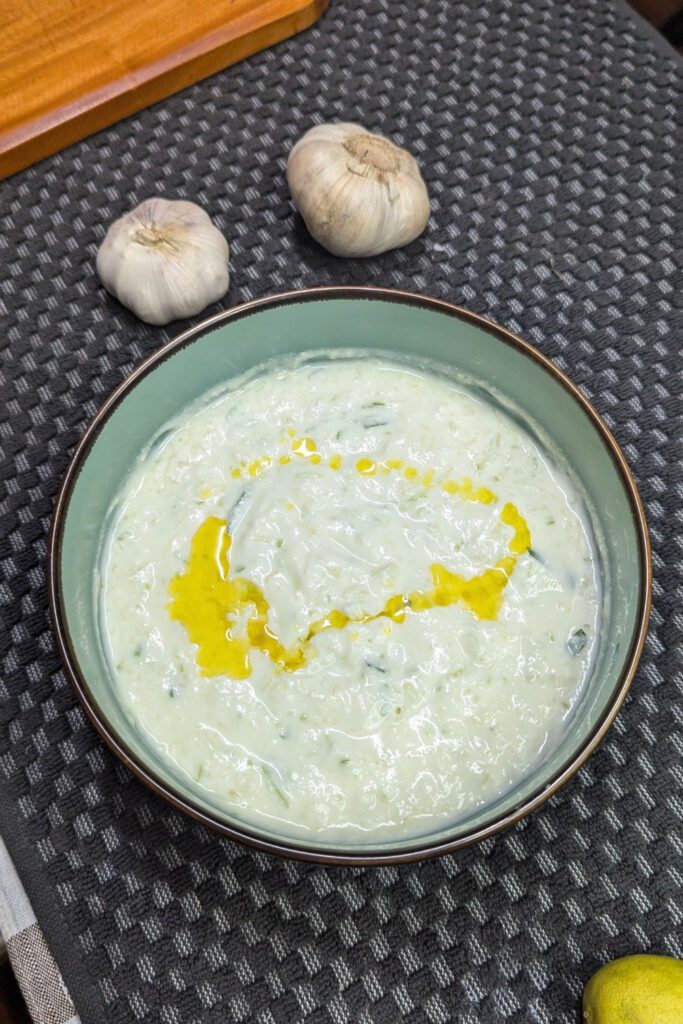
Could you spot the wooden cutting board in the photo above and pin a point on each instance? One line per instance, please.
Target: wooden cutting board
(71, 67)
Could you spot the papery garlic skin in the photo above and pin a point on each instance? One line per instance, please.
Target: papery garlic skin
(357, 192)
(165, 260)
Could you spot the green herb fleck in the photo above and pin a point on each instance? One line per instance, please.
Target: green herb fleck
(268, 776)
(577, 641)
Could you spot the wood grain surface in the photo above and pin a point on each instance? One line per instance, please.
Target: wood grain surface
(71, 67)
(657, 11)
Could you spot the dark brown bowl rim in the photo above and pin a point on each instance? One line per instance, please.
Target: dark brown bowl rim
(349, 857)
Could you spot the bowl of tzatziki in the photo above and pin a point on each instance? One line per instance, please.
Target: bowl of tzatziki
(350, 575)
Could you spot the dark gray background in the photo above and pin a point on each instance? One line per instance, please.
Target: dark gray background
(548, 138)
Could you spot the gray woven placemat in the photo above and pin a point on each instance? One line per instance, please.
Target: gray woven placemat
(547, 133)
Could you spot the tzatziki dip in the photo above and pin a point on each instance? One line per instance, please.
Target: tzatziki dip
(351, 599)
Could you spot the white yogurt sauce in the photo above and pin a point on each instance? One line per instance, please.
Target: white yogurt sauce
(360, 498)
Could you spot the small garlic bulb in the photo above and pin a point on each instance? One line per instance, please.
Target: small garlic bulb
(358, 193)
(164, 260)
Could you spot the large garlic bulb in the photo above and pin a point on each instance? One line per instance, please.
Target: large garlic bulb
(164, 260)
(358, 193)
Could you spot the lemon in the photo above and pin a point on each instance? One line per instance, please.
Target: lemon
(639, 989)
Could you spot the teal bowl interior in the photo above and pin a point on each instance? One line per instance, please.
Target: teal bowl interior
(402, 326)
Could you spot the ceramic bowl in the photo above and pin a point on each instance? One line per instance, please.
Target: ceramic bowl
(402, 325)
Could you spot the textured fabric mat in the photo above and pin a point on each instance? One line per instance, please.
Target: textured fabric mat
(547, 133)
(34, 967)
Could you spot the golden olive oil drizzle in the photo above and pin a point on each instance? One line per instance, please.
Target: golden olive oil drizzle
(209, 602)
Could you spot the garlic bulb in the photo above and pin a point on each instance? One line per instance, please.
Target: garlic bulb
(358, 193)
(164, 260)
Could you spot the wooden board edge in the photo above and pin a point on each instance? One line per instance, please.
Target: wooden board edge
(22, 147)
